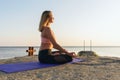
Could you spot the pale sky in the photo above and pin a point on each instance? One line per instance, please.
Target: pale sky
(75, 21)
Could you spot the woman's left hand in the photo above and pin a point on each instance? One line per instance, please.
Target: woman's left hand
(72, 54)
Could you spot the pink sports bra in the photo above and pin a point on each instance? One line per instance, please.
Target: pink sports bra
(45, 40)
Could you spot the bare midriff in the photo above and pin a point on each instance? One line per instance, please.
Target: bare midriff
(46, 46)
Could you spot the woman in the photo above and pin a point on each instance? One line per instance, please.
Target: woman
(48, 42)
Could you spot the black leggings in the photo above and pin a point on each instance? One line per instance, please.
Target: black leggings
(46, 57)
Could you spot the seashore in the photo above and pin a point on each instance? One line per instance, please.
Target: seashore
(93, 68)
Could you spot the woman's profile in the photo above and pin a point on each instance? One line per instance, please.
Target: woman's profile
(48, 42)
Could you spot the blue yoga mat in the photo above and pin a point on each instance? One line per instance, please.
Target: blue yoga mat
(18, 67)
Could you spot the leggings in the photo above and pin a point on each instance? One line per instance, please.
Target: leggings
(45, 56)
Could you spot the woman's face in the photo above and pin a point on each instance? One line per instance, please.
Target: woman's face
(51, 19)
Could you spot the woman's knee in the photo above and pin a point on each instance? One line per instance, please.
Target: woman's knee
(69, 58)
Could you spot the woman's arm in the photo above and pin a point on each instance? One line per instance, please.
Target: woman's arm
(55, 44)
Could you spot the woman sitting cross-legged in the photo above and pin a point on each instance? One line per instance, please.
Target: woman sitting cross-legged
(48, 42)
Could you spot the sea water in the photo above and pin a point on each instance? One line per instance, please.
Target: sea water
(19, 51)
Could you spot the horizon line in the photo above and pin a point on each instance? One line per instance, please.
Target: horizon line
(62, 46)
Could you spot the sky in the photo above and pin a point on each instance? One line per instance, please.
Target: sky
(75, 21)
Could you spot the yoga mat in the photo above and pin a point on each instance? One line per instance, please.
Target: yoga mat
(18, 67)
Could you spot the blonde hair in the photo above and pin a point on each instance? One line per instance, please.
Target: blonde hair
(44, 20)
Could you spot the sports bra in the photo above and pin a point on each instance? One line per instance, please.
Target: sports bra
(45, 40)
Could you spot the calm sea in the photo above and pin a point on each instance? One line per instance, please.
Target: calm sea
(18, 51)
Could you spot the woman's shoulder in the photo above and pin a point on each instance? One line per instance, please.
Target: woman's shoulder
(46, 31)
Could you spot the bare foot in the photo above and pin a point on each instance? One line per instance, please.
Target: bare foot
(56, 54)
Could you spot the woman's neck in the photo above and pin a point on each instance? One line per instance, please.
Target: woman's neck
(48, 25)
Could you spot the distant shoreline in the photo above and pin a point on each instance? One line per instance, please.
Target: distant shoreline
(7, 52)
